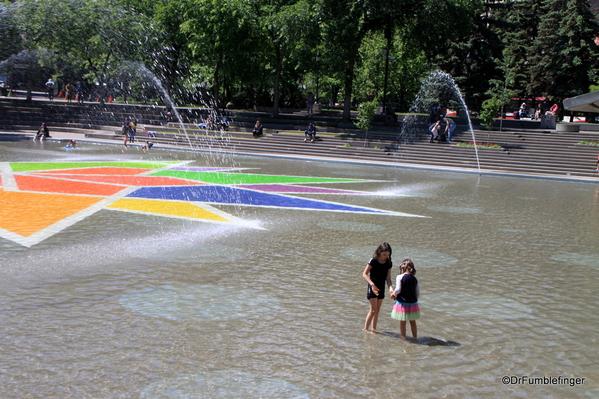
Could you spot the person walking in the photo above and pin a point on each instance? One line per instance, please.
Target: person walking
(79, 94)
(376, 274)
(310, 101)
(50, 89)
(125, 132)
(132, 130)
(71, 92)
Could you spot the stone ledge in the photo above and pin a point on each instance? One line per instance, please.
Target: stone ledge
(567, 127)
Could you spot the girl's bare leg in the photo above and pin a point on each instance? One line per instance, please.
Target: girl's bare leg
(375, 319)
(402, 329)
(414, 328)
(373, 314)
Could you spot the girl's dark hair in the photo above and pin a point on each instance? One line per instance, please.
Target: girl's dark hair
(384, 247)
(407, 266)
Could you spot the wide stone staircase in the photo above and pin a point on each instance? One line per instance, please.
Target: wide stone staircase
(526, 148)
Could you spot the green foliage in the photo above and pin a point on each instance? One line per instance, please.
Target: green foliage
(489, 111)
(407, 66)
(10, 41)
(591, 143)
(263, 51)
(569, 70)
(480, 145)
(365, 114)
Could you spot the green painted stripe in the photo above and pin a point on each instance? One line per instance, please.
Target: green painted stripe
(241, 178)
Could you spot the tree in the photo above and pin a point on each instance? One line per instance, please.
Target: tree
(406, 68)
(472, 59)
(27, 64)
(347, 22)
(10, 41)
(564, 55)
(490, 109)
(365, 114)
(98, 33)
(289, 25)
(519, 32)
(226, 46)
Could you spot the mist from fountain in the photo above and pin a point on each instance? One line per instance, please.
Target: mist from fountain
(214, 145)
(438, 89)
(217, 149)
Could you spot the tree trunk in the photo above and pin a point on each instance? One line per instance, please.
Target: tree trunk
(349, 79)
(277, 88)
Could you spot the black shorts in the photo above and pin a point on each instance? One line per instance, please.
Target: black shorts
(370, 294)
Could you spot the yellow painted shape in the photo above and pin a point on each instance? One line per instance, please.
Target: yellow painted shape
(170, 208)
(27, 213)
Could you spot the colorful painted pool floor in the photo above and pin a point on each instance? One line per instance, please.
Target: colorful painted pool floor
(39, 199)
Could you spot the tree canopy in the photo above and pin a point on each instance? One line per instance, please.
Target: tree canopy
(273, 52)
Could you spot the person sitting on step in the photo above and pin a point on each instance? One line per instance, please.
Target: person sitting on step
(258, 129)
(310, 133)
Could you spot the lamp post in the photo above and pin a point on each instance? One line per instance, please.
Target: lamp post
(385, 52)
(317, 72)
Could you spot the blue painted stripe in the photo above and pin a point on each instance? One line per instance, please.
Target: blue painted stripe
(232, 195)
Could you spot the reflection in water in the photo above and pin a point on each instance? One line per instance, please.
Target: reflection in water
(198, 302)
(592, 393)
(472, 305)
(350, 226)
(222, 384)
(422, 258)
(454, 209)
(578, 259)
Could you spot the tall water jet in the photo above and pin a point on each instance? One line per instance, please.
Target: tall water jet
(213, 115)
(437, 90)
(206, 136)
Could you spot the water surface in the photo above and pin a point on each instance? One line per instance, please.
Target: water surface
(134, 304)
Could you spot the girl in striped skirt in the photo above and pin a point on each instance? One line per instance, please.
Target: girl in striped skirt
(406, 296)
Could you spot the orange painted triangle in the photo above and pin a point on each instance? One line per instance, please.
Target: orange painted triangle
(41, 184)
(27, 213)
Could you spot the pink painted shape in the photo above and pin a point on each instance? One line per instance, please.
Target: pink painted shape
(282, 188)
(141, 181)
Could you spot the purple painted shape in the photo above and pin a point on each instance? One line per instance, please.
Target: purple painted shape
(283, 188)
(202, 169)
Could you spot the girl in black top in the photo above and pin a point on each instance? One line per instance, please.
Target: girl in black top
(377, 273)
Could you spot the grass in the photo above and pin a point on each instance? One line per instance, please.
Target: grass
(591, 143)
(479, 145)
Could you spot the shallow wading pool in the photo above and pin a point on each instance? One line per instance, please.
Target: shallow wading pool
(168, 275)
